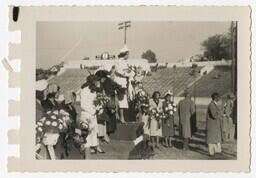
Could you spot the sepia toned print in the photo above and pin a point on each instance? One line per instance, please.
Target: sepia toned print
(133, 89)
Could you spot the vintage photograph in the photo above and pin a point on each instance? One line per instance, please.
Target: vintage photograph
(136, 90)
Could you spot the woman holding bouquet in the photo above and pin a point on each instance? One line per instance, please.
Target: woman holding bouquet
(155, 124)
(88, 114)
(168, 123)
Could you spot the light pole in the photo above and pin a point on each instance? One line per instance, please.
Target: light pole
(194, 74)
(124, 25)
(233, 30)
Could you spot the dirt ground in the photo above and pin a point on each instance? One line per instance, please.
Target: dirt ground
(120, 150)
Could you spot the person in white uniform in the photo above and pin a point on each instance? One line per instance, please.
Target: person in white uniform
(119, 75)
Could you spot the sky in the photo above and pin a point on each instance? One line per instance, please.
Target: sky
(170, 41)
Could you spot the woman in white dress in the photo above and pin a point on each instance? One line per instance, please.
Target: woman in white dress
(88, 114)
(155, 126)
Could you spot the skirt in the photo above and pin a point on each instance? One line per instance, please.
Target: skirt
(102, 131)
(111, 124)
(154, 128)
(123, 103)
(168, 127)
(92, 138)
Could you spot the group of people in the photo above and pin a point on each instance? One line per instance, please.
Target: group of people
(220, 126)
(159, 123)
(104, 98)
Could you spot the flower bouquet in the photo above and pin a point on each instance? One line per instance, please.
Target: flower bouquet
(101, 102)
(170, 109)
(49, 127)
(142, 102)
(158, 114)
(81, 134)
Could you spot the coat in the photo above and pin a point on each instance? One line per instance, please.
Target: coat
(154, 129)
(186, 109)
(48, 105)
(39, 110)
(71, 110)
(213, 124)
(168, 123)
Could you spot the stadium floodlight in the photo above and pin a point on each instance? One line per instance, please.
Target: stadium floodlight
(124, 25)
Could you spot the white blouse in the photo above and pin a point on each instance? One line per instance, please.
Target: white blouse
(87, 99)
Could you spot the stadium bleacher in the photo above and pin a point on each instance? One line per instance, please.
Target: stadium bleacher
(218, 80)
(71, 79)
(174, 79)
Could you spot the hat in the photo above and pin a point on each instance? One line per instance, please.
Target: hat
(168, 93)
(186, 92)
(124, 49)
(53, 88)
(68, 97)
(215, 95)
(91, 78)
(102, 73)
(41, 85)
(60, 98)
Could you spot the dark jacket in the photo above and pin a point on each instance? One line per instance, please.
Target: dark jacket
(69, 108)
(48, 105)
(39, 110)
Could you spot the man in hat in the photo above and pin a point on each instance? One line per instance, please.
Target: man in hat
(186, 108)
